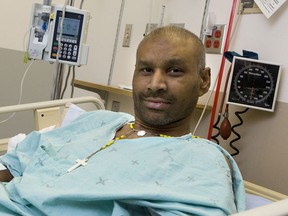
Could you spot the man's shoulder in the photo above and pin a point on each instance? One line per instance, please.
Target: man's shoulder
(208, 145)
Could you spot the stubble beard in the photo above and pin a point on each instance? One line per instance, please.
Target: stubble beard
(161, 117)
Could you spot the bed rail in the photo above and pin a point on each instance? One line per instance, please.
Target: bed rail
(274, 209)
(46, 104)
(264, 192)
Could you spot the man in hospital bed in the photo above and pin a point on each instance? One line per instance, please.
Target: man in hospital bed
(108, 163)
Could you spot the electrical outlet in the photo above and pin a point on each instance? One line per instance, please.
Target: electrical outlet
(115, 106)
(127, 35)
(214, 43)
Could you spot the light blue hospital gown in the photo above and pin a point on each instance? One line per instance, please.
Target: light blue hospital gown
(144, 176)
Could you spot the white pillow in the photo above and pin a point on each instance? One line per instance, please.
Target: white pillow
(72, 113)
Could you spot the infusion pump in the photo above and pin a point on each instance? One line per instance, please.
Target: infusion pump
(53, 38)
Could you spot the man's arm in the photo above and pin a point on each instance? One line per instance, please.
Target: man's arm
(5, 175)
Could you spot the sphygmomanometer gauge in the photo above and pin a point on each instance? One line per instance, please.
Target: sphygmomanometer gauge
(253, 83)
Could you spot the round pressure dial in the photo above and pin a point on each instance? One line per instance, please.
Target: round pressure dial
(254, 83)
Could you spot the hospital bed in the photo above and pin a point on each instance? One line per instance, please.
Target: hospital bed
(260, 200)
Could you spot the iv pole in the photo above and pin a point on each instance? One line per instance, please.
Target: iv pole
(221, 70)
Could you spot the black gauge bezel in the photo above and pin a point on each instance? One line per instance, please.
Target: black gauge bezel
(253, 83)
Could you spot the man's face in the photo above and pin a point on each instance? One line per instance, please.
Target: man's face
(166, 83)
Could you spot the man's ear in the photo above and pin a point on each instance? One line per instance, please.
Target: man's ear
(205, 78)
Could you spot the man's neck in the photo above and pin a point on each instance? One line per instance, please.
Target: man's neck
(174, 129)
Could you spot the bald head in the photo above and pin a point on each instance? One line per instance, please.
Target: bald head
(174, 32)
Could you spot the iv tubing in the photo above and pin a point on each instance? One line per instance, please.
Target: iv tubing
(221, 70)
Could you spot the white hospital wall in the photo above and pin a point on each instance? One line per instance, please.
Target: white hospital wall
(258, 159)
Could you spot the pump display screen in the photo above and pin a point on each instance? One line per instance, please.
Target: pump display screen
(70, 26)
